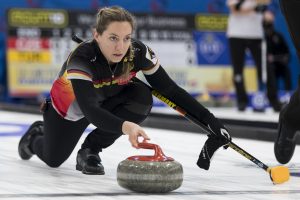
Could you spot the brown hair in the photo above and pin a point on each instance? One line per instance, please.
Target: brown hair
(106, 16)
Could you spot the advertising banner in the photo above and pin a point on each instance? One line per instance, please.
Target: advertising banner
(192, 48)
(38, 42)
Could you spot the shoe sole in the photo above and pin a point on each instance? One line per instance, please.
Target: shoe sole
(79, 168)
(22, 151)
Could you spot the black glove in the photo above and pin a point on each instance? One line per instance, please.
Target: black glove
(218, 129)
(211, 145)
(217, 138)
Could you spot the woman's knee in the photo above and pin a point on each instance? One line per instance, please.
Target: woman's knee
(54, 159)
(54, 163)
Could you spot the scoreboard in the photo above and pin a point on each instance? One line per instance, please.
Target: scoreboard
(38, 42)
(192, 48)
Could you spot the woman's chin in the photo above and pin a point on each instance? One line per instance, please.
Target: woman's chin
(115, 60)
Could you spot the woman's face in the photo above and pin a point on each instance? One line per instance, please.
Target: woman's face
(114, 41)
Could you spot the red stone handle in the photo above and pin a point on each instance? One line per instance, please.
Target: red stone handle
(159, 156)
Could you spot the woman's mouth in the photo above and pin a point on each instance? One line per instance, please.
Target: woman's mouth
(118, 55)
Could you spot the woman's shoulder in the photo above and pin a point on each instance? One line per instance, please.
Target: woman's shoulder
(140, 47)
(138, 44)
(145, 54)
(85, 49)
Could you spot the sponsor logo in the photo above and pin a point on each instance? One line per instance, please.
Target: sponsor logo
(211, 22)
(163, 99)
(136, 49)
(210, 47)
(94, 59)
(37, 18)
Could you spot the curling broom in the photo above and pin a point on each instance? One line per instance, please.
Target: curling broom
(278, 174)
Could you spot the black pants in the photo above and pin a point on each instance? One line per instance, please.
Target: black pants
(290, 10)
(61, 136)
(237, 52)
(278, 71)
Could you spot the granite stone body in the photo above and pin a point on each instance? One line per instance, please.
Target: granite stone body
(150, 176)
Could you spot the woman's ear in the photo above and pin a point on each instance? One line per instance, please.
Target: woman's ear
(95, 34)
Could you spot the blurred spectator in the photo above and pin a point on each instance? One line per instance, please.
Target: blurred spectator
(245, 31)
(278, 57)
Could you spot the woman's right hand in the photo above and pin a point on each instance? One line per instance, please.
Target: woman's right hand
(134, 131)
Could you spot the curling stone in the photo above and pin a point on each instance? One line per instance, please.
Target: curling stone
(150, 174)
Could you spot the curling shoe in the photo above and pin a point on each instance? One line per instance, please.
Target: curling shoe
(285, 143)
(24, 145)
(89, 162)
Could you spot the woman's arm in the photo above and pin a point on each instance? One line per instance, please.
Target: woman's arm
(90, 107)
(101, 118)
(160, 81)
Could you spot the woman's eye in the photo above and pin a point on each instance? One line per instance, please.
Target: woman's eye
(127, 39)
(113, 38)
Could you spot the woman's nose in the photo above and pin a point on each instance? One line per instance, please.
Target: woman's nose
(119, 45)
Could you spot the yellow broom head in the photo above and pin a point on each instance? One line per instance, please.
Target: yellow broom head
(279, 174)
